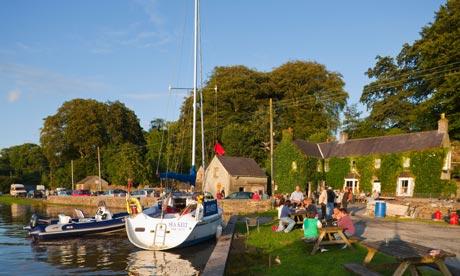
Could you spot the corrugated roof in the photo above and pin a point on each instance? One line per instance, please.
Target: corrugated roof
(241, 166)
(376, 145)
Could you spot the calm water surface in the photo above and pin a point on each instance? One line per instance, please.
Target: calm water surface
(109, 254)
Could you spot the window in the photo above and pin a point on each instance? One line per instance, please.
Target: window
(353, 164)
(447, 161)
(326, 165)
(319, 167)
(377, 163)
(406, 162)
(216, 172)
(294, 166)
(349, 184)
(404, 188)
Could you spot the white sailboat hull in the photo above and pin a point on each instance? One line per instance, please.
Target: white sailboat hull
(151, 233)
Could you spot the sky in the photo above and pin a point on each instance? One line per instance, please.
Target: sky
(53, 51)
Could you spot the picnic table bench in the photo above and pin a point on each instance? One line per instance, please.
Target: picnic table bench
(408, 255)
(329, 231)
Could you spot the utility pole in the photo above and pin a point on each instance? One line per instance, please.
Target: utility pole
(71, 168)
(271, 149)
(99, 168)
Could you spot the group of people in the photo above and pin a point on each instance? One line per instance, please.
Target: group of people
(330, 211)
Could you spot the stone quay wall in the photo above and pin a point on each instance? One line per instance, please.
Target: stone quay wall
(230, 207)
(92, 201)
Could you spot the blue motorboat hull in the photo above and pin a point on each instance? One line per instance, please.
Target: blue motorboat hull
(54, 230)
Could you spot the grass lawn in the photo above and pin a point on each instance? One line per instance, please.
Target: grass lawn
(250, 256)
(7, 199)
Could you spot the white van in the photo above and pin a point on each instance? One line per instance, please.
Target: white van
(17, 190)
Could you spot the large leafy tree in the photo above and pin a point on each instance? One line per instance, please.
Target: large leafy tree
(409, 91)
(78, 128)
(307, 97)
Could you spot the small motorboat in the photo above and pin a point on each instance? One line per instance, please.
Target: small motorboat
(179, 220)
(67, 227)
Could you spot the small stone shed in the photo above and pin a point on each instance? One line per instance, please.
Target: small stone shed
(233, 174)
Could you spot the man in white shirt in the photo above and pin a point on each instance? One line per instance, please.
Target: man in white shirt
(297, 196)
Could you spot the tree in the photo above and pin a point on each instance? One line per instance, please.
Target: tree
(126, 164)
(410, 91)
(78, 128)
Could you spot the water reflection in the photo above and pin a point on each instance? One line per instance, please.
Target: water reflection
(158, 263)
(109, 254)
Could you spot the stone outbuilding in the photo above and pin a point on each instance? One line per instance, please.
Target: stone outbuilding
(233, 174)
(92, 183)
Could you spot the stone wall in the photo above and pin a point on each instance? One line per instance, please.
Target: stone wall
(243, 206)
(230, 207)
(113, 202)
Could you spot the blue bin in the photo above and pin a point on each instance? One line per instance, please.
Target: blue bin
(380, 209)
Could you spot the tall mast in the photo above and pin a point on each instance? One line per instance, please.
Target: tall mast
(195, 77)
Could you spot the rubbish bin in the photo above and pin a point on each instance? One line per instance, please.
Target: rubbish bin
(380, 209)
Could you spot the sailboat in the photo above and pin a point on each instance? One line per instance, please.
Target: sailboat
(180, 219)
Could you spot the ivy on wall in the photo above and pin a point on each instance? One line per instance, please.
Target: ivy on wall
(287, 175)
(365, 168)
(338, 169)
(390, 168)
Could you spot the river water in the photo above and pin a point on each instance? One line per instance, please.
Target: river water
(109, 254)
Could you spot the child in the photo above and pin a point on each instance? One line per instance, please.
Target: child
(310, 227)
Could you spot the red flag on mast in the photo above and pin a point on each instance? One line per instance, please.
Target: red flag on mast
(218, 149)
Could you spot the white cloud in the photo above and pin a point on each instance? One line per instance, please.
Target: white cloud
(150, 8)
(14, 95)
(39, 80)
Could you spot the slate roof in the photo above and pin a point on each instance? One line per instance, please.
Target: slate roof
(310, 149)
(383, 144)
(241, 166)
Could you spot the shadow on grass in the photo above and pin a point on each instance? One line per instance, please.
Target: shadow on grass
(258, 252)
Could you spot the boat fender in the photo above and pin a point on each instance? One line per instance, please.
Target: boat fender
(218, 231)
(33, 220)
(133, 206)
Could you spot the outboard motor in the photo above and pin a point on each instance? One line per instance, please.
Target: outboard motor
(33, 221)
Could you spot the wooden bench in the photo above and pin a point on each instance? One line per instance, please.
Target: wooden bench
(354, 239)
(360, 269)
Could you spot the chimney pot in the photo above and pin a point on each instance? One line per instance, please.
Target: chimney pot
(343, 137)
(443, 124)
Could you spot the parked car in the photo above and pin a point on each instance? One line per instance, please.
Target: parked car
(64, 193)
(139, 193)
(35, 194)
(240, 195)
(97, 193)
(116, 192)
(81, 193)
(18, 190)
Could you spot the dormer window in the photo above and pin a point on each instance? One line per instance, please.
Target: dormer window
(326, 165)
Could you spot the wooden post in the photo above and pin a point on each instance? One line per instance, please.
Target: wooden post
(272, 186)
(99, 168)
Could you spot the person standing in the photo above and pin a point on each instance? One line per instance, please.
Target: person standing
(297, 196)
(330, 202)
(344, 202)
(322, 201)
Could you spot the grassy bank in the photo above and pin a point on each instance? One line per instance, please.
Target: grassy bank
(255, 254)
(7, 199)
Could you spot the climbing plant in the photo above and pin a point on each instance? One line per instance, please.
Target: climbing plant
(292, 167)
(391, 167)
(365, 168)
(338, 169)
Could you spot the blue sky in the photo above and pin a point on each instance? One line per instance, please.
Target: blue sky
(131, 50)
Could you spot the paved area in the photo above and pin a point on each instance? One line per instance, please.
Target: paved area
(436, 236)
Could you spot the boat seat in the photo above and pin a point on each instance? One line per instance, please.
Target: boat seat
(63, 219)
(79, 214)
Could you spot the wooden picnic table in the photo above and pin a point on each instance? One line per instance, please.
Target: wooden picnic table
(409, 255)
(299, 214)
(329, 231)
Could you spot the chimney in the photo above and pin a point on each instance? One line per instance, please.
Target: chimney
(343, 137)
(443, 124)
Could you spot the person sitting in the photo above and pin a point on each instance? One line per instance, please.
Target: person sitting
(285, 219)
(310, 227)
(255, 196)
(102, 213)
(297, 196)
(309, 206)
(344, 221)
